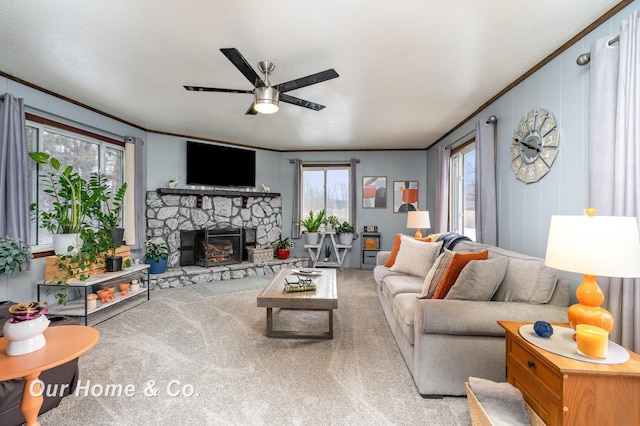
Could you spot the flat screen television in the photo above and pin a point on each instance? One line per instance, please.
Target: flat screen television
(217, 165)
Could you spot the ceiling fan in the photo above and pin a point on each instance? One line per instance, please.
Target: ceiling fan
(266, 96)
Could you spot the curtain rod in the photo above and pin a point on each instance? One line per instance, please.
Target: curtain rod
(325, 162)
(492, 119)
(585, 58)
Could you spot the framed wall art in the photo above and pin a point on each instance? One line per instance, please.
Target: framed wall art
(374, 192)
(405, 196)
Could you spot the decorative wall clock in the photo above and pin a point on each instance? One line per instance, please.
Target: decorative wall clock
(535, 145)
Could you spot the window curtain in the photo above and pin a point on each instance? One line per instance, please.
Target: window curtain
(352, 192)
(135, 209)
(14, 171)
(442, 192)
(485, 203)
(297, 202)
(614, 164)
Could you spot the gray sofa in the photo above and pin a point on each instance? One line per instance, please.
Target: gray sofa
(444, 342)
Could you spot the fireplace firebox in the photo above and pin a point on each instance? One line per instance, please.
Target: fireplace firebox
(211, 247)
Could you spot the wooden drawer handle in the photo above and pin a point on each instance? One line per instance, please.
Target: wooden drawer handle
(531, 364)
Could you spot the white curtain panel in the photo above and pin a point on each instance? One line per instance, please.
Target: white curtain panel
(614, 140)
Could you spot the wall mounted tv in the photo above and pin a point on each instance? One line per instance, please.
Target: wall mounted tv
(217, 165)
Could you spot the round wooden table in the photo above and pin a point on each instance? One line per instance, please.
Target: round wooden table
(64, 343)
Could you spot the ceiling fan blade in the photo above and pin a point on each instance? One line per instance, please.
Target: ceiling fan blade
(307, 81)
(251, 110)
(300, 102)
(215, 89)
(243, 66)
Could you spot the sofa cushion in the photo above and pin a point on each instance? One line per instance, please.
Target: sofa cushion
(435, 273)
(458, 262)
(380, 272)
(527, 278)
(396, 247)
(415, 257)
(404, 309)
(479, 279)
(399, 284)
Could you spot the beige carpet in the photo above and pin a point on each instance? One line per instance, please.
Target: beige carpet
(215, 348)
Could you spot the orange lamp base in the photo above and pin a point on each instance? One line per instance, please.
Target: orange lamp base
(588, 311)
(418, 234)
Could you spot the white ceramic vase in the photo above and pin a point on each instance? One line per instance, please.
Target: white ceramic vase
(26, 336)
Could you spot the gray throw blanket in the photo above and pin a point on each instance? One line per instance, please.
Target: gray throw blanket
(450, 239)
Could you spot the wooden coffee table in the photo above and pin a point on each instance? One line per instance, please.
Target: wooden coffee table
(324, 298)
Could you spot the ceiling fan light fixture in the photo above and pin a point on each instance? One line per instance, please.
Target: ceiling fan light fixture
(266, 100)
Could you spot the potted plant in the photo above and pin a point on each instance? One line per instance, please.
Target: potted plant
(283, 248)
(13, 256)
(157, 255)
(311, 224)
(345, 233)
(71, 204)
(327, 253)
(107, 208)
(331, 223)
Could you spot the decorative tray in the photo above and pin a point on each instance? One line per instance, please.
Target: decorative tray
(307, 271)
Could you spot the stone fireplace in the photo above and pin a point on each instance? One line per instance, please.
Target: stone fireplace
(204, 213)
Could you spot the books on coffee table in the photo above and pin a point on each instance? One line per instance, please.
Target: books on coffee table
(294, 283)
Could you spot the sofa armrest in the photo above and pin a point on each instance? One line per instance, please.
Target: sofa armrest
(479, 318)
(382, 256)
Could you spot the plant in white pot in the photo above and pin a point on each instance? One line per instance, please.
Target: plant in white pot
(345, 233)
(107, 208)
(311, 224)
(71, 203)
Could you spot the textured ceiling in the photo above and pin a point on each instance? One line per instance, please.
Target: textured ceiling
(409, 71)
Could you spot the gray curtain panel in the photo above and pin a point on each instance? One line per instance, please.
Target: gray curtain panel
(139, 191)
(614, 164)
(297, 203)
(485, 204)
(354, 199)
(14, 171)
(442, 191)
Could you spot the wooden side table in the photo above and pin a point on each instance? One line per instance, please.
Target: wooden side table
(63, 345)
(564, 391)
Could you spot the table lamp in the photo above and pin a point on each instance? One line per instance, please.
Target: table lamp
(418, 219)
(593, 245)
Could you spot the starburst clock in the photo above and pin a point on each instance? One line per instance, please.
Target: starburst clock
(535, 145)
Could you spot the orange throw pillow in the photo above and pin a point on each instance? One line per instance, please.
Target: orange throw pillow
(396, 246)
(458, 262)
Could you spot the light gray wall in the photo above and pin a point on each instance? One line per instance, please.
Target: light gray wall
(395, 165)
(561, 87)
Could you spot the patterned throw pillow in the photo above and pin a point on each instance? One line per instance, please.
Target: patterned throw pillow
(396, 246)
(456, 265)
(415, 257)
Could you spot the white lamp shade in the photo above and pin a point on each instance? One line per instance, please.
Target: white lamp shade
(599, 245)
(418, 219)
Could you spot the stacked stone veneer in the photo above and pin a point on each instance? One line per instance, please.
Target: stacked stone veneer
(168, 214)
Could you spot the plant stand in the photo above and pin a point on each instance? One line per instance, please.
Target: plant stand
(79, 308)
(316, 250)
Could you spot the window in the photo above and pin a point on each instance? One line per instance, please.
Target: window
(462, 187)
(79, 149)
(326, 187)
